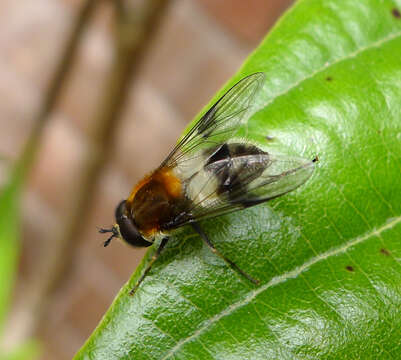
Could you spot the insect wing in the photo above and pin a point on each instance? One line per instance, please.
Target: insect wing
(283, 175)
(219, 123)
(242, 182)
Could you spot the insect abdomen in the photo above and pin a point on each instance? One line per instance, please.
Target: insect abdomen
(228, 169)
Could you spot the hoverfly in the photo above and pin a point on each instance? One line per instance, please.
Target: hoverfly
(207, 174)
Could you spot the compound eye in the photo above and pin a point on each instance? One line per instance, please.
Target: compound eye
(128, 230)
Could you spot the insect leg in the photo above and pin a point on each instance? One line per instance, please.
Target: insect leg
(214, 250)
(152, 260)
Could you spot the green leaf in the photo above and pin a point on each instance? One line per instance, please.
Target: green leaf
(329, 253)
(9, 240)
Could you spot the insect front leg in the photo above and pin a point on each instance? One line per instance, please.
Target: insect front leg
(232, 264)
(152, 260)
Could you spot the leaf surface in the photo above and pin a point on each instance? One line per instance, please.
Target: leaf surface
(9, 241)
(328, 254)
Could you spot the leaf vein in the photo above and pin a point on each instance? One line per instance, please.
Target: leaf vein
(328, 64)
(391, 223)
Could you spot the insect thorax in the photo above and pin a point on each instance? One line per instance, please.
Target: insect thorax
(157, 202)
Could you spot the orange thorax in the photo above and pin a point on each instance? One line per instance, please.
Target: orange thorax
(155, 201)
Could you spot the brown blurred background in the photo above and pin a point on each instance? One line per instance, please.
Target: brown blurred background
(198, 45)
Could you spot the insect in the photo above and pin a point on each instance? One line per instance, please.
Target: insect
(207, 174)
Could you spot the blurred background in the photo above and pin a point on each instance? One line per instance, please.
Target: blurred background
(113, 83)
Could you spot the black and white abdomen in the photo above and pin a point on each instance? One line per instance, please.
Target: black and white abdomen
(227, 171)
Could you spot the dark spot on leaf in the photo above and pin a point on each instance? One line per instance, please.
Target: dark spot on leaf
(269, 138)
(329, 78)
(349, 268)
(385, 251)
(396, 13)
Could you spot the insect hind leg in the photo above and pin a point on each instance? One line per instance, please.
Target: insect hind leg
(231, 263)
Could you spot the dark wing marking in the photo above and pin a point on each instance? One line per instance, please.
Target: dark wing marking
(219, 123)
(249, 180)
